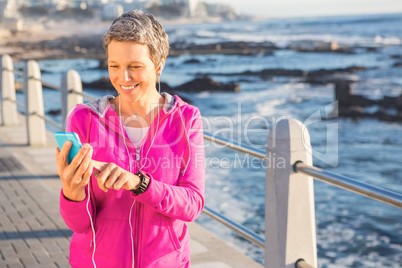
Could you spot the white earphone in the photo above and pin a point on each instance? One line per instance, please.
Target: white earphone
(161, 68)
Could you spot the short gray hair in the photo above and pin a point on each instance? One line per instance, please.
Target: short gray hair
(140, 27)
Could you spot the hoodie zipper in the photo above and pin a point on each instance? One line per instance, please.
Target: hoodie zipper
(138, 214)
(137, 155)
(139, 210)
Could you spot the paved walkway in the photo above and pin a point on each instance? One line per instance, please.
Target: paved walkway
(32, 232)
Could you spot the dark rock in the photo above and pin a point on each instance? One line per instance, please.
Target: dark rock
(333, 78)
(277, 72)
(54, 112)
(352, 106)
(397, 64)
(396, 57)
(318, 76)
(399, 104)
(362, 101)
(325, 76)
(318, 46)
(101, 84)
(354, 112)
(381, 115)
(227, 48)
(207, 84)
(165, 87)
(192, 61)
(343, 91)
(388, 101)
(269, 73)
(323, 72)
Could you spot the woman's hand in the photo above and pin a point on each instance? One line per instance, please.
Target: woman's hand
(76, 175)
(110, 175)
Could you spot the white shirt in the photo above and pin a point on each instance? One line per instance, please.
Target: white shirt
(136, 134)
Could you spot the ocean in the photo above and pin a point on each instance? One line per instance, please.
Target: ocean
(352, 230)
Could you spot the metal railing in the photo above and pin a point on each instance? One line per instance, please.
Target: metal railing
(376, 193)
(240, 148)
(300, 263)
(373, 192)
(239, 229)
(340, 181)
(47, 119)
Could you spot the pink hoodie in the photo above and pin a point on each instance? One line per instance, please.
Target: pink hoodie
(175, 164)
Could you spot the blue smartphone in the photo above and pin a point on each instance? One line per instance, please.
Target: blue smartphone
(62, 137)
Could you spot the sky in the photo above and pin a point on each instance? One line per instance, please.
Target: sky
(302, 8)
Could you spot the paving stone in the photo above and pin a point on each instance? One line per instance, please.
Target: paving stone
(42, 257)
(33, 242)
(62, 263)
(63, 243)
(28, 261)
(5, 222)
(22, 227)
(52, 249)
(20, 247)
(8, 252)
(13, 264)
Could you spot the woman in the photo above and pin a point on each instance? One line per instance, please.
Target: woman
(148, 154)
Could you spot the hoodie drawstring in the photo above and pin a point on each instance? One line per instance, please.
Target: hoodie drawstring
(187, 140)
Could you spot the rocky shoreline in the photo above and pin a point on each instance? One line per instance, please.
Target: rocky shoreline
(72, 40)
(27, 45)
(355, 106)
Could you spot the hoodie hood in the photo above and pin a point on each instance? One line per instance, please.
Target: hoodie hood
(102, 105)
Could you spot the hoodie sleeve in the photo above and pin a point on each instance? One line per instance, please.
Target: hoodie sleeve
(185, 200)
(75, 214)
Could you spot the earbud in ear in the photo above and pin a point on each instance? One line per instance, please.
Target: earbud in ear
(160, 68)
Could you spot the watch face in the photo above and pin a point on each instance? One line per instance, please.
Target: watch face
(144, 184)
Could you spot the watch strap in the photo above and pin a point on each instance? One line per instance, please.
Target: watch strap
(144, 184)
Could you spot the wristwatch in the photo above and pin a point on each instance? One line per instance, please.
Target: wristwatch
(144, 184)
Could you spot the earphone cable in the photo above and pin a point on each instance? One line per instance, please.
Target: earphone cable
(92, 227)
(130, 170)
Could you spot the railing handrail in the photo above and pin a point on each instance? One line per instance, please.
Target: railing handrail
(352, 185)
(239, 229)
(340, 181)
(234, 146)
(300, 263)
(57, 88)
(48, 119)
(18, 73)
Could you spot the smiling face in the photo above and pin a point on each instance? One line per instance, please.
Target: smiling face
(131, 70)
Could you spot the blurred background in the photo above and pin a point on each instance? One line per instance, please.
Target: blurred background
(334, 65)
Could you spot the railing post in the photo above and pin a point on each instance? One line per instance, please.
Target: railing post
(70, 85)
(36, 124)
(290, 232)
(8, 99)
